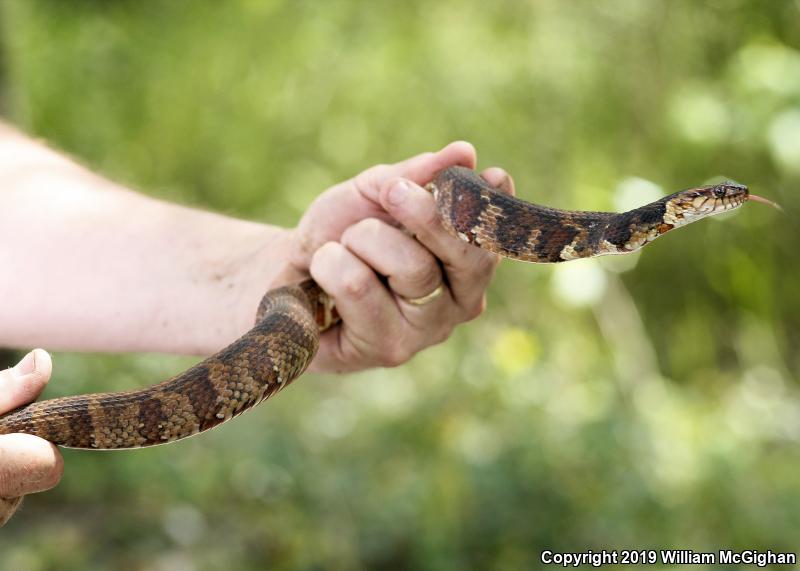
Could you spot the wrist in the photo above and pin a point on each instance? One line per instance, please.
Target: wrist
(267, 267)
(224, 272)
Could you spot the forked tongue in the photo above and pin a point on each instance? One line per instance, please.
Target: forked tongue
(763, 200)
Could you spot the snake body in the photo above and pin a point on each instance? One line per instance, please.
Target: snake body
(285, 337)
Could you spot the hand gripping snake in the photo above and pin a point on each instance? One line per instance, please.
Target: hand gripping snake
(289, 320)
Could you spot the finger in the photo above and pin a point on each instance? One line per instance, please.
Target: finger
(499, 179)
(325, 220)
(368, 311)
(419, 169)
(411, 269)
(23, 383)
(28, 464)
(423, 167)
(468, 268)
(358, 198)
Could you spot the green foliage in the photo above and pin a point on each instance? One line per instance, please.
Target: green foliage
(634, 402)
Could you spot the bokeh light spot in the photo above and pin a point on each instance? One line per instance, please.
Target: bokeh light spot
(784, 140)
(700, 115)
(579, 283)
(515, 350)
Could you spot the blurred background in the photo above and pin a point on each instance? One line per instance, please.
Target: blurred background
(648, 401)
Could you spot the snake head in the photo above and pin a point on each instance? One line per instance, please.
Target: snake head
(691, 205)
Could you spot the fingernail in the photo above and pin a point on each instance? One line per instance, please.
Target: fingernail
(398, 193)
(26, 366)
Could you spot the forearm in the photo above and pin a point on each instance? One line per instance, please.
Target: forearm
(88, 265)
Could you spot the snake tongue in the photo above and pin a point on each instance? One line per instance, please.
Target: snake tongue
(763, 200)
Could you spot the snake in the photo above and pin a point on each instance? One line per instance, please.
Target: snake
(290, 319)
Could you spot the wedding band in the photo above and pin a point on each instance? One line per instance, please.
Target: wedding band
(425, 299)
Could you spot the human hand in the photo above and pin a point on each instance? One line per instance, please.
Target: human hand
(356, 241)
(27, 464)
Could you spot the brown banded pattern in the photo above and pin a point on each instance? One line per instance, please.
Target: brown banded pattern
(289, 319)
(475, 212)
(255, 366)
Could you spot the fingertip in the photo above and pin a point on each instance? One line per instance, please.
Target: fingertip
(423, 167)
(398, 193)
(28, 464)
(460, 153)
(34, 367)
(324, 262)
(43, 366)
(324, 253)
(23, 383)
(344, 276)
(28, 387)
(368, 229)
(500, 179)
(394, 193)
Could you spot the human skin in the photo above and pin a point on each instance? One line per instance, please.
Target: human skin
(92, 266)
(27, 464)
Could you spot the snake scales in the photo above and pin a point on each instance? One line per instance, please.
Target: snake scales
(289, 319)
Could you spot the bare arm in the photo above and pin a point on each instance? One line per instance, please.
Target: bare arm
(89, 265)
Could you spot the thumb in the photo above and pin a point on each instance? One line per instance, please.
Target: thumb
(23, 383)
(27, 464)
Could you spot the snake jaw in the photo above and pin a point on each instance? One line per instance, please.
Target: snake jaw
(695, 204)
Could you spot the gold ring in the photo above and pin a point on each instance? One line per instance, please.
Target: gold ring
(425, 299)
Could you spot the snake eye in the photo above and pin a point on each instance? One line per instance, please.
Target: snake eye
(719, 192)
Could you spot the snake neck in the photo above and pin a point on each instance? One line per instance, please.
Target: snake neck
(477, 213)
(629, 231)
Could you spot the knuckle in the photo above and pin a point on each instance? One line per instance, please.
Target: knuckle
(325, 259)
(327, 250)
(486, 263)
(370, 177)
(425, 275)
(442, 335)
(325, 265)
(476, 310)
(302, 248)
(394, 355)
(356, 285)
(366, 229)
